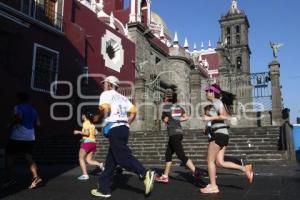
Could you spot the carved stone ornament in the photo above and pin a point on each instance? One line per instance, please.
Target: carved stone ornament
(112, 51)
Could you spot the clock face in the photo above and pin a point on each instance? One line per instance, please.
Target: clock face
(112, 51)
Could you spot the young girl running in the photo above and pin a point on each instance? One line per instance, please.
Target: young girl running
(220, 137)
(172, 115)
(88, 145)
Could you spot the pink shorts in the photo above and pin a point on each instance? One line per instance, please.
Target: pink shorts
(88, 146)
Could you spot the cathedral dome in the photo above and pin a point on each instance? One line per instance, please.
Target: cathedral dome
(157, 19)
(157, 22)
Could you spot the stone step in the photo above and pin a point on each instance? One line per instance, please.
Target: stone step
(243, 134)
(259, 145)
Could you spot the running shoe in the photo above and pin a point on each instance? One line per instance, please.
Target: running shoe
(149, 181)
(162, 179)
(36, 182)
(96, 193)
(83, 177)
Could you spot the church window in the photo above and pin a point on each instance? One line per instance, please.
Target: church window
(237, 29)
(157, 60)
(239, 62)
(112, 51)
(238, 39)
(126, 4)
(228, 30)
(228, 40)
(44, 68)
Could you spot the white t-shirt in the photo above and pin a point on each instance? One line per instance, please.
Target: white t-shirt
(119, 107)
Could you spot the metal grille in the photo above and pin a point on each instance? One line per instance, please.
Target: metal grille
(261, 92)
(253, 91)
(44, 12)
(45, 69)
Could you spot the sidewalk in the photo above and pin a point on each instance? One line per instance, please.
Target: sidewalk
(273, 183)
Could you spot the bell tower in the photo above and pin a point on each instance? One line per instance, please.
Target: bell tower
(233, 44)
(140, 11)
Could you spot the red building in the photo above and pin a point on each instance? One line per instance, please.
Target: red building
(54, 41)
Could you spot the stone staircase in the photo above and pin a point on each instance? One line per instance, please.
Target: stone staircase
(254, 145)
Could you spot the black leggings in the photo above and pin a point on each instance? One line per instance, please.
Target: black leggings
(175, 146)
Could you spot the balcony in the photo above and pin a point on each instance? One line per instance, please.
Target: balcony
(49, 13)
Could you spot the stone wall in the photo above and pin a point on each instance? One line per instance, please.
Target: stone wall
(150, 61)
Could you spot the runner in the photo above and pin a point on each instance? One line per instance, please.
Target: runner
(118, 113)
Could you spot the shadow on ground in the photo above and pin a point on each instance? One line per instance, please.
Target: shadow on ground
(23, 177)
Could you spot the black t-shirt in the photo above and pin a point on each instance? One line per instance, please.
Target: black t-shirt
(174, 112)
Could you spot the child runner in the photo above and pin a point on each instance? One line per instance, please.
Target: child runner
(88, 145)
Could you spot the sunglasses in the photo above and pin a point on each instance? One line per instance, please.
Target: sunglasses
(210, 91)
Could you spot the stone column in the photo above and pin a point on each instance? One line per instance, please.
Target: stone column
(148, 12)
(138, 13)
(274, 70)
(195, 96)
(139, 102)
(132, 16)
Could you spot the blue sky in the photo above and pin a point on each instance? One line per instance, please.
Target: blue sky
(270, 20)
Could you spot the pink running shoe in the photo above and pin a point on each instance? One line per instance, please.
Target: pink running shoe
(162, 179)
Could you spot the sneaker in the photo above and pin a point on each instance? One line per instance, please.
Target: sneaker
(98, 170)
(118, 170)
(148, 181)
(96, 193)
(8, 183)
(162, 179)
(101, 166)
(198, 173)
(209, 189)
(36, 182)
(249, 172)
(83, 177)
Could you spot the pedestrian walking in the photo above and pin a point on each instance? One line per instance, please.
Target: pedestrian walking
(118, 114)
(222, 102)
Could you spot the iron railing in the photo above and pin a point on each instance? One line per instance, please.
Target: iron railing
(41, 13)
(251, 90)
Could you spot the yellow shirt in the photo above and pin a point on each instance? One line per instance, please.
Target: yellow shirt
(91, 129)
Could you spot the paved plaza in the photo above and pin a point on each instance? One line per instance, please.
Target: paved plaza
(270, 183)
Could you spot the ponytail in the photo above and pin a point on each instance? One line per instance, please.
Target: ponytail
(227, 98)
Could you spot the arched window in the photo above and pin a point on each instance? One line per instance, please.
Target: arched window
(228, 30)
(237, 29)
(126, 4)
(237, 39)
(239, 62)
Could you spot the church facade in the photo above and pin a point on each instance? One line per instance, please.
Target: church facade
(59, 51)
